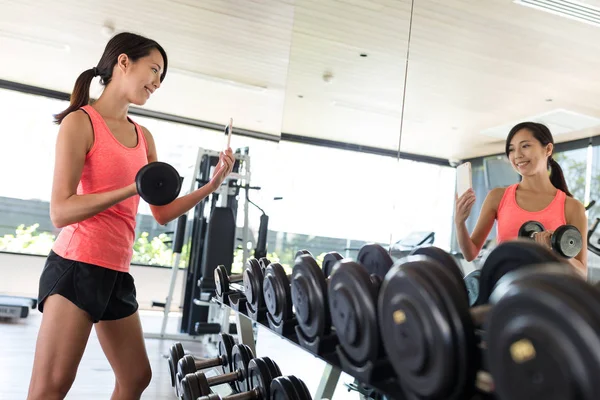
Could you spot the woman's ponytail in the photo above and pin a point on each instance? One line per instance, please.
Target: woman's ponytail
(81, 94)
(557, 177)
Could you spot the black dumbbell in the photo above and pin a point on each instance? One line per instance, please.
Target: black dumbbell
(472, 284)
(309, 294)
(277, 288)
(543, 335)
(253, 277)
(352, 298)
(430, 333)
(329, 262)
(261, 374)
(289, 388)
(222, 280)
(189, 364)
(509, 256)
(158, 183)
(277, 295)
(566, 240)
(196, 384)
(471, 281)
(176, 353)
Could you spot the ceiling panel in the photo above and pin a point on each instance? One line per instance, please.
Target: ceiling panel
(296, 66)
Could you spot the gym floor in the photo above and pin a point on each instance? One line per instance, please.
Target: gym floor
(95, 379)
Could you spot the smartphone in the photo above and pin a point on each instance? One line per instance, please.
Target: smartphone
(463, 178)
(228, 132)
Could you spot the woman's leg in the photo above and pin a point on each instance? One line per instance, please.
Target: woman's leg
(123, 344)
(61, 341)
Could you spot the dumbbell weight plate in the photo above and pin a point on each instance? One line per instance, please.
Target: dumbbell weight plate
(309, 296)
(444, 258)
(240, 359)
(329, 261)
(264, 263)
(530, 227)
(273, 367)
(253, 280)
(302, 252)
(375, 259)
(158, 183)
(567, 241)
(451, 290)
(507, 257)
(260, 375)
(352, 301)
(289, 388)
(415, 329)
(226, 349)
(176, 353)
(541, 338)
(276, 292)
(221, 280)
(472, 285)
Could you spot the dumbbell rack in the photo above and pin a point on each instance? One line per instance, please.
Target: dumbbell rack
(331, 372)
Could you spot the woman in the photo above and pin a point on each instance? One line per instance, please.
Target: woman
(539, 196)
(94, 200)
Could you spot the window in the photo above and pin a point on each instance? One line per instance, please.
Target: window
(331, 200)
(574, 166)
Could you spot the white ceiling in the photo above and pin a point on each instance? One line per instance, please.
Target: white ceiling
(295, 66)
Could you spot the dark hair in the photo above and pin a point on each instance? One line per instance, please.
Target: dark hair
(135, 46)
(543, 135)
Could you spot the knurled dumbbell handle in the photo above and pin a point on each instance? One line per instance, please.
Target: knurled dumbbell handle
(225, 378)
(211, 362)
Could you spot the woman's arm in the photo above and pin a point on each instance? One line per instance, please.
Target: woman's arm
(181, 205)
(575, 215)
(75, 138)
(471, 245)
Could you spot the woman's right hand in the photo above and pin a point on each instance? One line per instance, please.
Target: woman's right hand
(464, 204)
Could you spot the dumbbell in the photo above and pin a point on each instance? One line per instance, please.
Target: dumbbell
(222, 280)
(260, 375)
(543, 335)
(176, 353)
(471, 281)
(509, 256)
(254, 276)
(566, 239)
(429, 331)
(188, 364)
(196, 384)
(158, 183)
(309, 294)
(352, 298)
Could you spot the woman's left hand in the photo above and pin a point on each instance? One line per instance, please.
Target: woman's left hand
(544, 238)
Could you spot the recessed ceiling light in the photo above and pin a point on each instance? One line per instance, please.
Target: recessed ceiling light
(300, 96)
(548, 100)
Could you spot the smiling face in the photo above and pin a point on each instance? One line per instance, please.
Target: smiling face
(141, 78)
(527, 154)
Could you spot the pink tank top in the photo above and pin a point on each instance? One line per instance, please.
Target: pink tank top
(106, 239)
(510, 216)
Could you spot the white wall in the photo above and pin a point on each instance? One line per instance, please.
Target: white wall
(19, 276)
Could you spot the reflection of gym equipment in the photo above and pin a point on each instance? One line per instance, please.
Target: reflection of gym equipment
(404, 246)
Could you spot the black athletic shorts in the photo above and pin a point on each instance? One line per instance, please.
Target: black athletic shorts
(105, 294)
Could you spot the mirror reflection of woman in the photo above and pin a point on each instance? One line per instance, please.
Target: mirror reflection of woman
(540, 196)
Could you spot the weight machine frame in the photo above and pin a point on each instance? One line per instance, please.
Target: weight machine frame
(220, 197)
